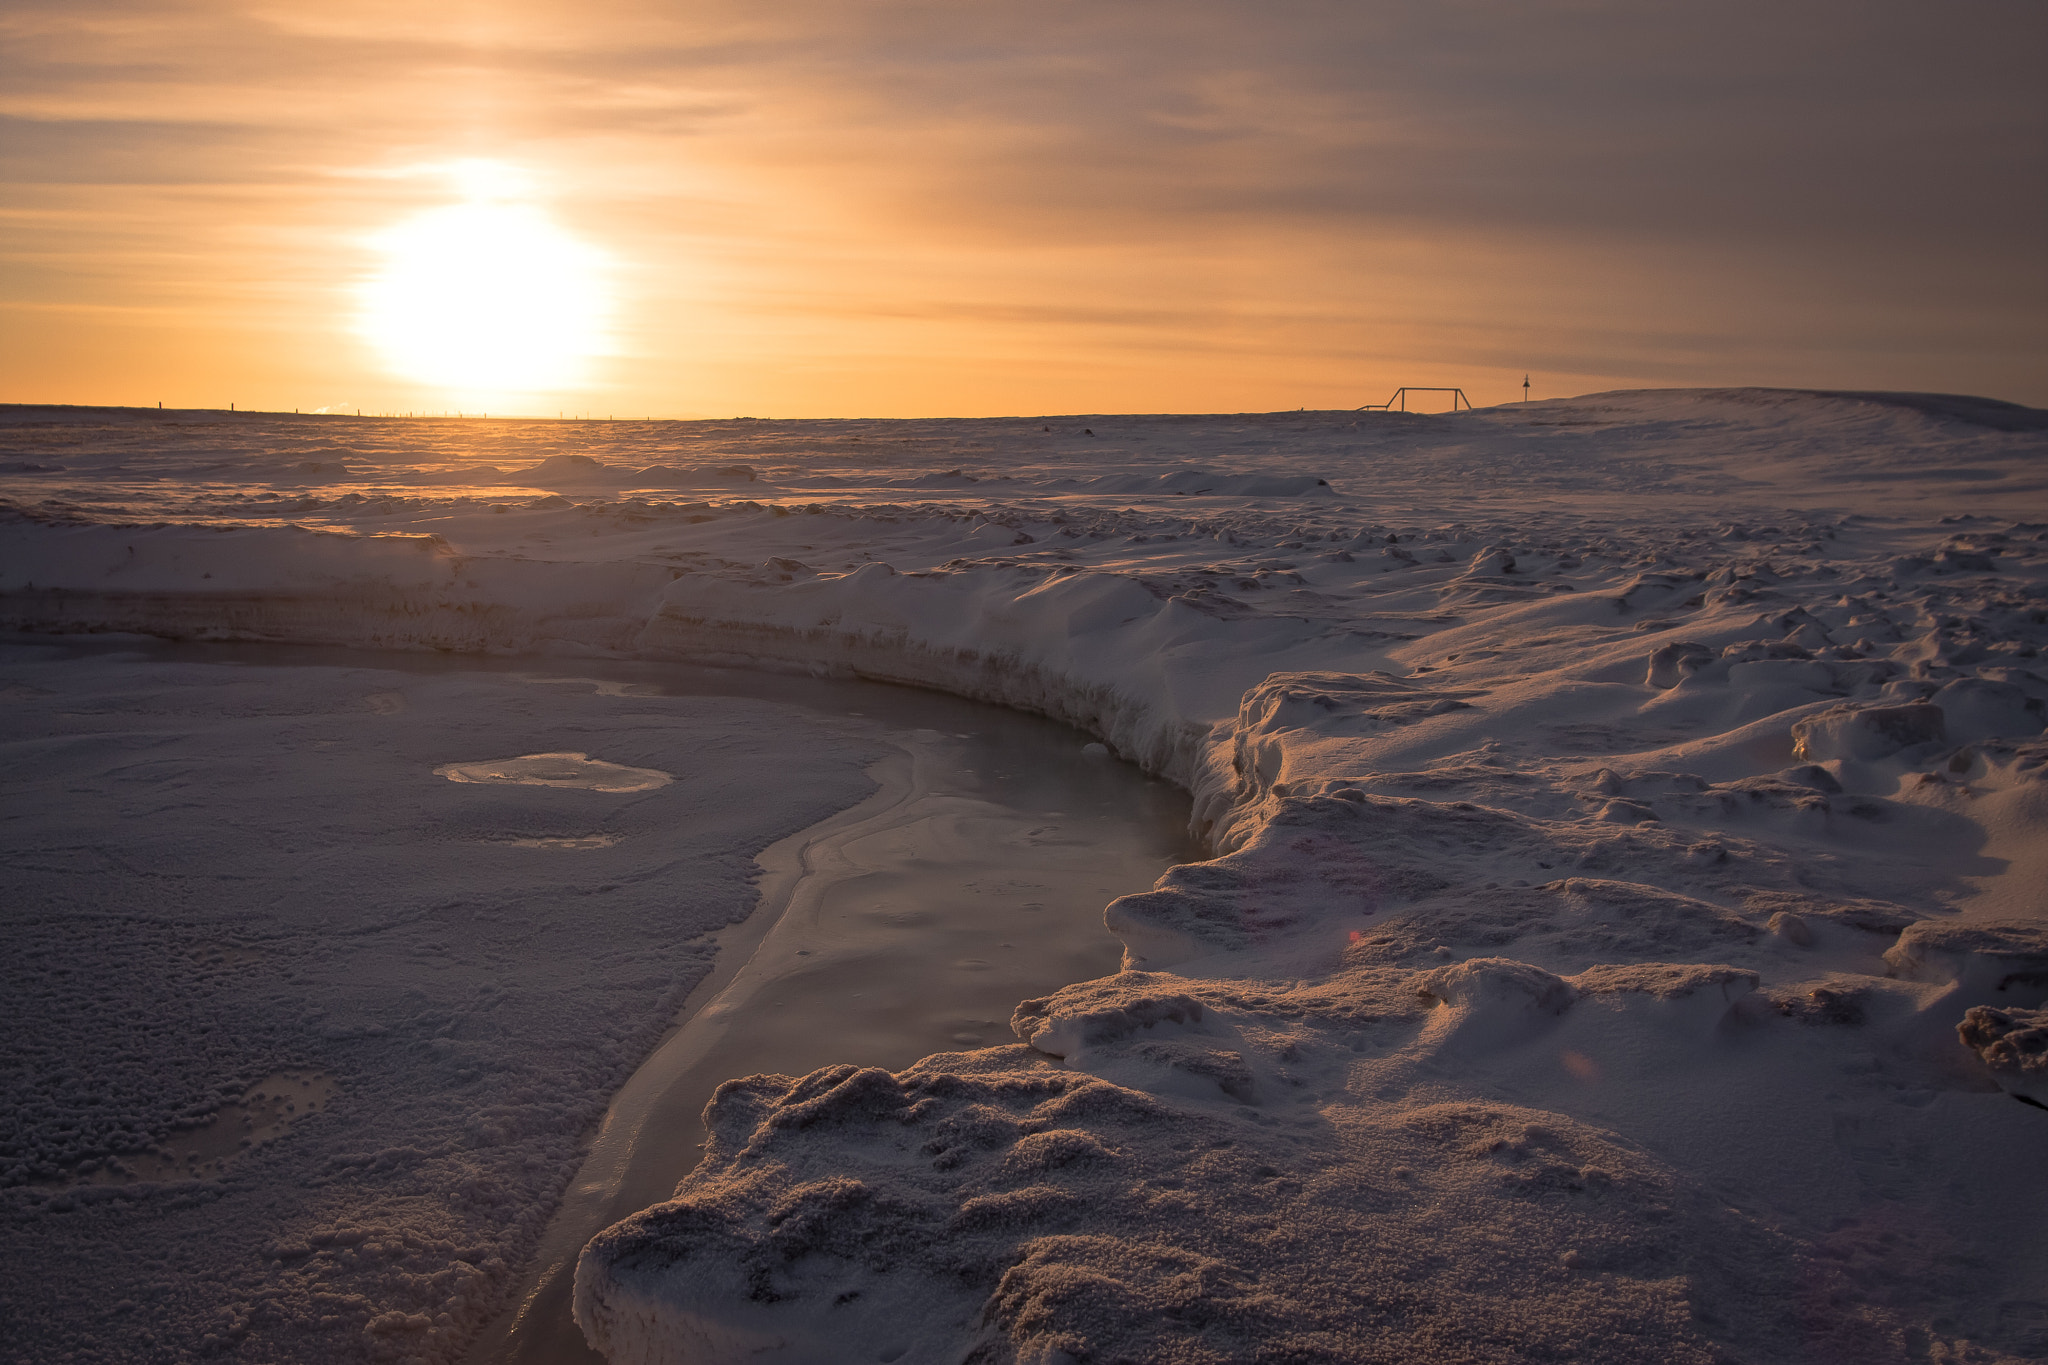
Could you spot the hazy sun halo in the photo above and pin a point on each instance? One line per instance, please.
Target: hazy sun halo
(488, 295)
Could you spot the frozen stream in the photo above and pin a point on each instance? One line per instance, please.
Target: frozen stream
(910, 923)
(372, 835)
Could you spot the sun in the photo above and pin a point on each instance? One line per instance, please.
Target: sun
(488, 295)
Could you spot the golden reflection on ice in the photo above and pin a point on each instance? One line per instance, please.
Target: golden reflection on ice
(557, 770)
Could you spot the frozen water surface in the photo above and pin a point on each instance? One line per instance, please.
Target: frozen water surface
(907, 925)
(261, 832)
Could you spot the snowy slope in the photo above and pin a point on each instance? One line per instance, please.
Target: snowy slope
(1620, 802)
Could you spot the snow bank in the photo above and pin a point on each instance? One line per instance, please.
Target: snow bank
(986, 1204)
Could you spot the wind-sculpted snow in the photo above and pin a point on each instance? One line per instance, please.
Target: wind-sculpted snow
(1624, 935)
(2014, 1045)
(986, 1206)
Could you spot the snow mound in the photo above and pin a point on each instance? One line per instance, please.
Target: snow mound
(1106, 1012)
(959, 1210)
(2014, 1045)
(1981, 958)
(1976, 709)
(1868, 733)
(1163, 1042)
(1667, 980)
(1497, 985)
(1955, 407)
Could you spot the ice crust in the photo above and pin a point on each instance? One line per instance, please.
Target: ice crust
(1629, 818)
(576, 770)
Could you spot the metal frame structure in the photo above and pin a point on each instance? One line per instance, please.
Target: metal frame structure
(1400, 395)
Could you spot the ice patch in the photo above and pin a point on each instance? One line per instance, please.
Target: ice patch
(557, 770)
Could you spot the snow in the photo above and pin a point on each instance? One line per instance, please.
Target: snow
(1623, 939)
(2014, 1045)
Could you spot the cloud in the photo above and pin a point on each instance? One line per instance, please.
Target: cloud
(1717, 189)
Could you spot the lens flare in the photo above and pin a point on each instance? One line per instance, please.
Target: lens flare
(488, 295)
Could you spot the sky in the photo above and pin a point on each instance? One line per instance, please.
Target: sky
(885, 208)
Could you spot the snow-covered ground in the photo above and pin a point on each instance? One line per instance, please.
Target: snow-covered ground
(1627, 940)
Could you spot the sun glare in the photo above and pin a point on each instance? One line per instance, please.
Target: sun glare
(488, 295)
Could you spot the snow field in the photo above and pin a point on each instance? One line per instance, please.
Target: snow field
(1625, 941)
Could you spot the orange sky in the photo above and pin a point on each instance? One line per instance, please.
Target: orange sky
(894, 209)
